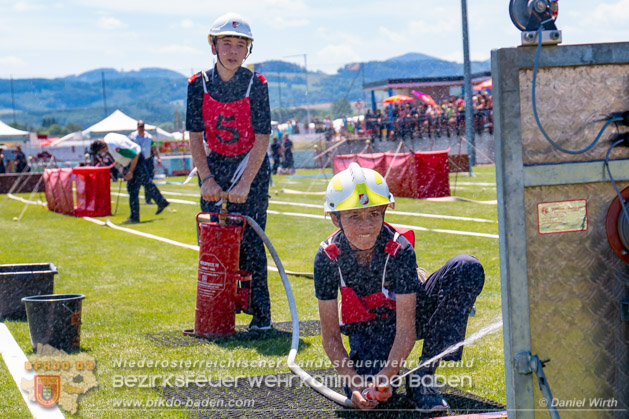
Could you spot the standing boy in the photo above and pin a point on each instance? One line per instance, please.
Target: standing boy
(385, 305)
(228, 108)
(128, 155)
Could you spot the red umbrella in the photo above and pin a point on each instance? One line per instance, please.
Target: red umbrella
(426, 98)
(487, 84)
(398, 99)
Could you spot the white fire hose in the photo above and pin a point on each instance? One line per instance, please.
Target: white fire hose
(307, 378)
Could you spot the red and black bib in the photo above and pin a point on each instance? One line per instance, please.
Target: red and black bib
(228, 128)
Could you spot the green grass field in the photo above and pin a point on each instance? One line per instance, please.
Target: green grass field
(136, 285)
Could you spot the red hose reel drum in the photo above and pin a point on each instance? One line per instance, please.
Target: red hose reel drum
(617, 227)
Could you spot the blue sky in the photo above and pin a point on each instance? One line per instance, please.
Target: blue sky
(51, 38)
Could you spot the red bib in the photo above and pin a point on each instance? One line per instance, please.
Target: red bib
(228, 128)
(355, 309)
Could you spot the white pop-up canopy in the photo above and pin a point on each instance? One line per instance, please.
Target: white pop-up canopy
(7, 131)
(73, 136)
(117, 121)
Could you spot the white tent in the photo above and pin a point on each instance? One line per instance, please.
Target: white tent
(179, 136)
(117, 121)
(161, 134)
(7, 131)
(73, 136)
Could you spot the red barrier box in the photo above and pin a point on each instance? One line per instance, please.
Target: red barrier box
(93, 195)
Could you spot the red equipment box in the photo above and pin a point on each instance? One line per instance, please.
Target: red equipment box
(423, 174)
(93, 194)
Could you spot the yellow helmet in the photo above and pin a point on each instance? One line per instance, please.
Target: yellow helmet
(357, 187)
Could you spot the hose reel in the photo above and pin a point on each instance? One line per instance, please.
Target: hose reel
(530, 16)
(617, 227)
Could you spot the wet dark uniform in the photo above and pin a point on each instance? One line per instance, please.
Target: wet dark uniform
(228, 145)
(444, 301)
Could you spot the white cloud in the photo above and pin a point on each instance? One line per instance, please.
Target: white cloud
(392, 36)
(109, 23)
(25, 6)
(455, 56)
(617, 12)
(280, 23)
(331, 35)
(260, 9)
(11, 60)
(338, 53)
(179, 49)
(286, 5)
(422, 27)
(186, 24)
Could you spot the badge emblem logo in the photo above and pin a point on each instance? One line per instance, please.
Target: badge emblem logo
(47, 389)
(235, 24)
(363, 198)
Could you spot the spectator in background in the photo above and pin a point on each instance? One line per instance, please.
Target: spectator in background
(21, 165)
(276, 154)
(149, 151)
(2, 168)
(317, 124)
(328, 128)
(421, 119)
(350, 128)
(369, 122)
(288, 164)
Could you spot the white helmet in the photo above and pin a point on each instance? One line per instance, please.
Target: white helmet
(357, 187)
(230, 24)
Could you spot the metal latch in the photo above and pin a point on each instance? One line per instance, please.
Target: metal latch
(525, 363)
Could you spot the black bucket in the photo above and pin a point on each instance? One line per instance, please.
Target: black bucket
(55, 320)
(21, 280)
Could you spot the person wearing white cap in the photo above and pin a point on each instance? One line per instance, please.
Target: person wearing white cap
(228, 109)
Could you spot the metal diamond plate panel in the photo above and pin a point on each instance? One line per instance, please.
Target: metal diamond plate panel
(570, 101)
(575, 285)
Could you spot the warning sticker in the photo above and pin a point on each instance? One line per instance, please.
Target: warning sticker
(562, 216)
(212, 276)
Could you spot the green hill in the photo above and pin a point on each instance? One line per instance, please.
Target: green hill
(159, 95)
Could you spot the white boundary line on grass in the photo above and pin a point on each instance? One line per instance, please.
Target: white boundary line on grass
(108, 223)
(394, 212)
(418, 228)
(299, 204)
(293, 214)
(26, 201)
(14, 359)
(477, 184)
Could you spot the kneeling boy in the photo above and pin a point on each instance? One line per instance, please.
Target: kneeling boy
(385, 305)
